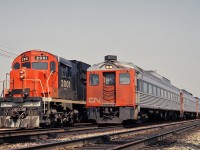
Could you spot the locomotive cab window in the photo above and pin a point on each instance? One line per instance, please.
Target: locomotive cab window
(26, 64)
(65, 72)
(124, 78)
(94, 79)
(16, 66)
(40, 65)
(52, 66)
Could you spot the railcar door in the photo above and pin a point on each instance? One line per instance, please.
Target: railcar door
(109, 87)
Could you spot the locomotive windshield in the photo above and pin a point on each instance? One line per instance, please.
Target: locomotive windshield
(16, 66)
(26, 64)
(40, 65)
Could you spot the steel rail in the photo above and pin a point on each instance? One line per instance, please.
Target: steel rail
(106, 137)
(154, 138)
(22, 136)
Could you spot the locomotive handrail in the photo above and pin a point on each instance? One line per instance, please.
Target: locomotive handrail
(48, 82)
(7, 74)
(3, 88)
(41, 87)
(40, 84)
(2, 93)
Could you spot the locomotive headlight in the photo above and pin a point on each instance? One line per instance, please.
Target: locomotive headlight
(25, 94)
(22, 74)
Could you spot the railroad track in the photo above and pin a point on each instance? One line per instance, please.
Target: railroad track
(13, 136)
(130, 139)
(34, 134)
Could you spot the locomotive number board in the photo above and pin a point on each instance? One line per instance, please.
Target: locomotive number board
(25, 58)
(41, 58)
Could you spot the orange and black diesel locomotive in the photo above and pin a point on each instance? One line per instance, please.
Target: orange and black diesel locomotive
(119, 92)
(44, 89)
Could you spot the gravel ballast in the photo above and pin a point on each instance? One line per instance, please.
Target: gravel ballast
(189, 140)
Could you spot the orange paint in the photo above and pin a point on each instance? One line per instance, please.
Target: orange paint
(111, 95)
(40, 82)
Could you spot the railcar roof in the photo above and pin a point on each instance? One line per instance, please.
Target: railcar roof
(126, 65)
(118, 64)
(186, 92)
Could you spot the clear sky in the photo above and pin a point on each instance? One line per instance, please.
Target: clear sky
(153, 34)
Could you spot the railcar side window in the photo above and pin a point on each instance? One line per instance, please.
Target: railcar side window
(177, 97)
(145, 88)
(154, 90)
(165, 94)
(168, 95)
(158, 91)
(124, 78)
(171, 96)
(94, 79)
(26, 64)
(161, 91)
(40, 65)
(16, 66)
(150, 89)
(139, 85)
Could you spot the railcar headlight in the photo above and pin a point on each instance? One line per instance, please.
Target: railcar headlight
(109, 66)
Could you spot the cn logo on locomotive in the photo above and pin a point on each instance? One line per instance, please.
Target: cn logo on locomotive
(94, 100)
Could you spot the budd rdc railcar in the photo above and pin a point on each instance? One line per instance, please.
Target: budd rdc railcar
(44, 89)
(121, 92)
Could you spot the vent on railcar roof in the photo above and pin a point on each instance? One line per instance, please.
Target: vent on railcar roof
(184, 91)
(110, 58)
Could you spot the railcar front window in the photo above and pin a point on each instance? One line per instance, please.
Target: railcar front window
(94, 79)
(26, 64)
(40, 65)
(109, 79)
(124, 78)
(16, 66)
